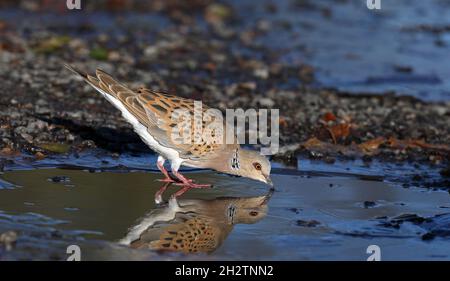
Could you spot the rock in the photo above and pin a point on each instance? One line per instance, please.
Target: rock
(8, 239)
(39, 155)
(310, 223)
(36, 126)
(217, 13)
(262, 73)
(27, 137)
(113, 56)
(266, 102)
(369, 204)
(42, 110)
(58, 179)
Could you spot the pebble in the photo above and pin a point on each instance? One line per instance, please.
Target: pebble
(8, 239)
(310, 223)
(266, 102)
(58, 179)
(42, 102)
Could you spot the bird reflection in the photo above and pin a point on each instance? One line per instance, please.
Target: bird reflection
(195, 225)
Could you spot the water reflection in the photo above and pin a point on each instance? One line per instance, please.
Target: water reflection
(195, 225)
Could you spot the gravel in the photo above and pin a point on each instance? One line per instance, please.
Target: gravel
(44, 109)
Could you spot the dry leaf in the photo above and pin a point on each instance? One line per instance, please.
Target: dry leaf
(370, 146)
(329, 116)
(339, 131)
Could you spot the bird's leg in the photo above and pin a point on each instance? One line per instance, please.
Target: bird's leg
(187, 183)
(181, 191)
(168, 178)
(159, 193)
(187, 186)
(160, 165)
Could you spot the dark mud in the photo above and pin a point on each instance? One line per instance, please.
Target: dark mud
(221, 55)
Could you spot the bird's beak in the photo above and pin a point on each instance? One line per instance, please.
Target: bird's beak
(267, 197)
(268, 180)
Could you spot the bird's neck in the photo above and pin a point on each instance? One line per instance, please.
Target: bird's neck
(228, 163)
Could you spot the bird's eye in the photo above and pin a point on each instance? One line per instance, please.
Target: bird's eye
(253, 213)
(257, 166)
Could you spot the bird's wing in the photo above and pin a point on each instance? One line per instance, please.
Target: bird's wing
(179, 124)
(164, 117)
(197, 234)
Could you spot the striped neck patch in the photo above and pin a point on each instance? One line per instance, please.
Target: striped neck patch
(235, 165)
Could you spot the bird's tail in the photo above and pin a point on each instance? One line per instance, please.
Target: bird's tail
(91, 80)
(69, 67)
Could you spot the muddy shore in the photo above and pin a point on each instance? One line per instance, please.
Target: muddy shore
(213, 55)
(364, 124)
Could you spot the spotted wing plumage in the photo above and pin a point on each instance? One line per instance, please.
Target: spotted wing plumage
(197, 234)
(174, 123)
(155, 110)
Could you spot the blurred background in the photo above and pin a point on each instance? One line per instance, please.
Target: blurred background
(401, 47)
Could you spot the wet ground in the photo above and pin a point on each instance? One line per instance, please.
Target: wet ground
(364, 128)
(312, 215)
(338, 80)
(400, 48)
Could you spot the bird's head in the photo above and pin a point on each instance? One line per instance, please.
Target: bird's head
(251, 164)
(251, 209)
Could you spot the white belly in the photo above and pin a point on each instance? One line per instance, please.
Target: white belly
(171, 154)
(149, 220)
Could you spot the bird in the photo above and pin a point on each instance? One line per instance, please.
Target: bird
(150, 114)
(195, 225)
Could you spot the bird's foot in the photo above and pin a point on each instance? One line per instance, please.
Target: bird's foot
(190, 184)
(167, 180)
(187, 186)
(175, 181)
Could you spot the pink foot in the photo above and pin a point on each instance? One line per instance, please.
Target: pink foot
(193, 185)
(159, 193)
(188, 187)
(171, 180)
(187, 184)
(167, 180)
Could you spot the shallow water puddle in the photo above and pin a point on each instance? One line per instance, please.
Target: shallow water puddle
(309, 217)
